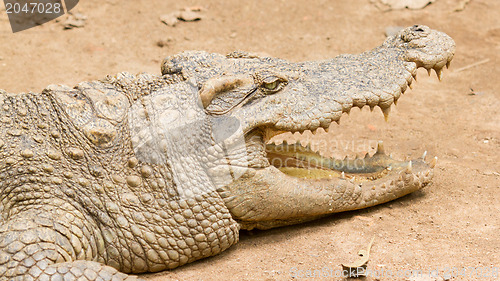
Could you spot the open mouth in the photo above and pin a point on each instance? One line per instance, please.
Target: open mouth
(301, 161)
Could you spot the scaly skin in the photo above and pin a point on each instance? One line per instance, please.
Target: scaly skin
(146, 173)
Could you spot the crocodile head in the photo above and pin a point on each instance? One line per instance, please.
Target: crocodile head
(287, 183)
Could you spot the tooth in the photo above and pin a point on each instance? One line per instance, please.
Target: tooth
(327, 129)
(348, 111)
(314, 131)
(395, 101)
(414, 75)
(386, 112)
(380, 148)
(285, 142)
(338, 121)
(409, 85)
(433, 162)
(409, 168)
(429, 71)
(424, 155)
(342, 176)
(448, 64)
(372, 107)
(439, 72)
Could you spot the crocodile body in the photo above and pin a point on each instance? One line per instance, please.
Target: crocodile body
(134, 174)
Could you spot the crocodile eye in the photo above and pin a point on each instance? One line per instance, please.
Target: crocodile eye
(272, 84)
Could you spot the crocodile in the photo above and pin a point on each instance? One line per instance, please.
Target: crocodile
(144, 173)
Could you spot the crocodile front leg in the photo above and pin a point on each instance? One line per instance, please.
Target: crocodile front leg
(53, 244)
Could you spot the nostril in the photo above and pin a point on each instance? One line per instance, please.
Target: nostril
(417, 28)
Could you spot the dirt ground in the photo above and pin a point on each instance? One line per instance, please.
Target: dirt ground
(451, 224)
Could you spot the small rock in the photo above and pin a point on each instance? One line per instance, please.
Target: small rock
(164, 42)
(461, 6)
(189, 15)
(186, 14)
(76, 20)
(169, 19)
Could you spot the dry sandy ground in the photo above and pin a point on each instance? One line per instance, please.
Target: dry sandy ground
(453, 223)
